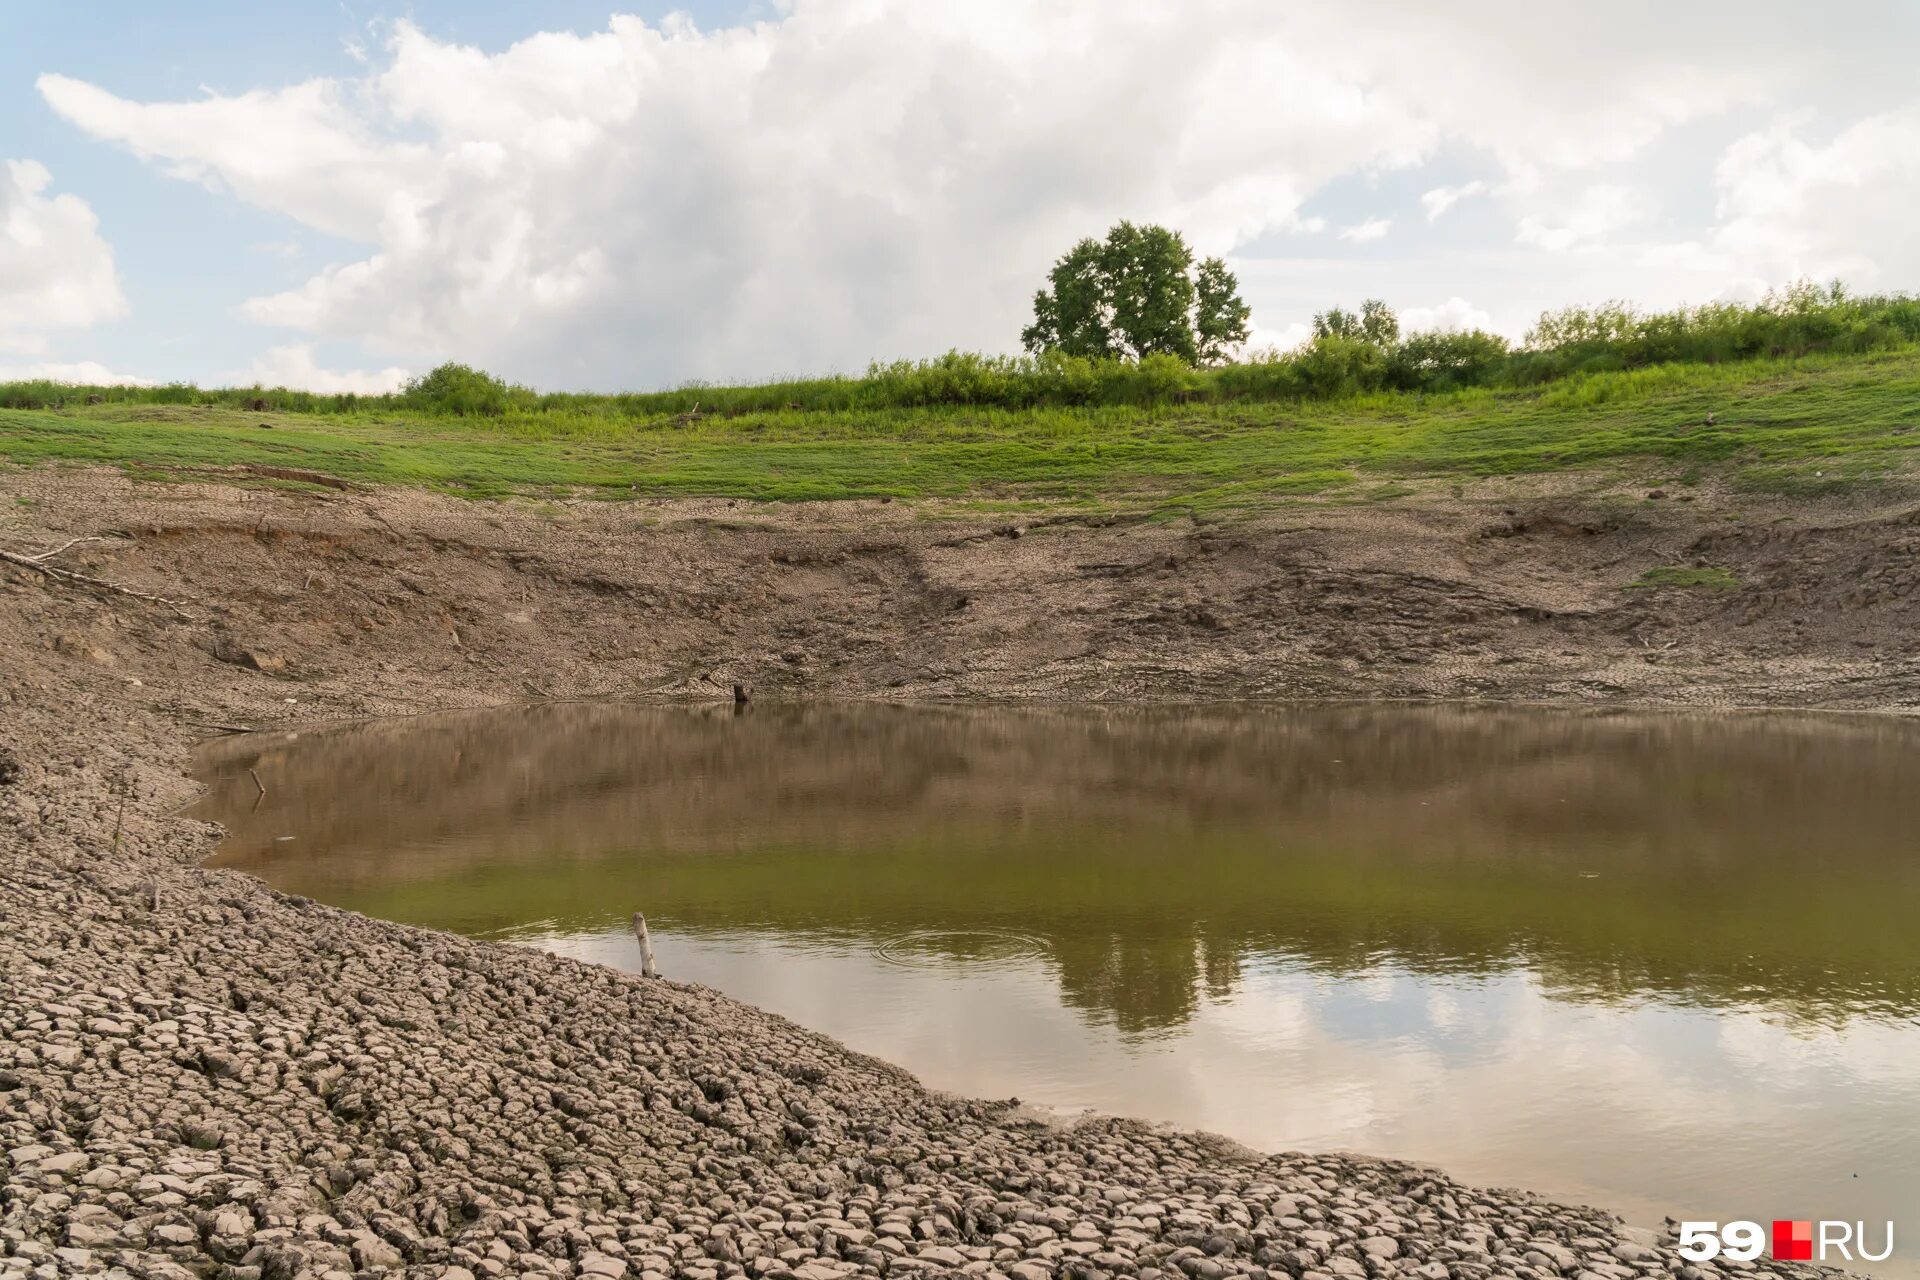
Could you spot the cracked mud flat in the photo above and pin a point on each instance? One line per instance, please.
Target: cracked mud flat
(201, 1076)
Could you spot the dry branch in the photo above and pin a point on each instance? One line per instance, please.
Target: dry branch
(45, 556)
(81, 579)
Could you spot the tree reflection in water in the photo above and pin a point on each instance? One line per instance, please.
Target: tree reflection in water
(1706, 860)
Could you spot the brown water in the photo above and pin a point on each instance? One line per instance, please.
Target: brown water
(1664, 963)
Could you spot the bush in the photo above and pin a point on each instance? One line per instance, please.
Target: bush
(1336, 366)
(1802, 319)
(958, 377)
(462, 390)
(1442, 361)
(1271, 375)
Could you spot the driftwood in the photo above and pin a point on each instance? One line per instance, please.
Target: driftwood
(647, 969)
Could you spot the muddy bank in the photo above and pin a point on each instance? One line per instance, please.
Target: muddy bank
(350, 602)
(201, 1076)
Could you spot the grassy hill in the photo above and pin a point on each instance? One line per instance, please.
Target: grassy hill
(1808, 425)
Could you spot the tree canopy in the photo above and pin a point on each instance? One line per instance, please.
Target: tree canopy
(1374, 324)
(1135, 294)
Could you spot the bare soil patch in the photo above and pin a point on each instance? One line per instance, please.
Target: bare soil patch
(396, 600)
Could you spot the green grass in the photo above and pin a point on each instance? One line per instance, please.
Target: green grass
(1670, 576)
(1810, 425)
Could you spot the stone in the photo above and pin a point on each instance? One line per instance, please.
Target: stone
(65, 1163)
(371, 1252)
(226, 649)
(92, 1235)
(1558, 1256)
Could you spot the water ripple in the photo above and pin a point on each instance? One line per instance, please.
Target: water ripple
(948, 948)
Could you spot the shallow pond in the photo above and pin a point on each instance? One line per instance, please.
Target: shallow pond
(1664, 963)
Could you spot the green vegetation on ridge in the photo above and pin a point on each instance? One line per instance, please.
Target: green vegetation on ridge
(1787, 426)
(1808, 391)
(1351, 354)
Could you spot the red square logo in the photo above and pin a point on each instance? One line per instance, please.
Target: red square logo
(1792, 1241)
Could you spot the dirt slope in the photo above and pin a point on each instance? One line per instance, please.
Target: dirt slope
(392, 600)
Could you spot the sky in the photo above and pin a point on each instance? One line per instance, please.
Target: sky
(335, 195)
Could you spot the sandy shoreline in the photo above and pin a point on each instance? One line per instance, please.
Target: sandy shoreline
(202, 1076)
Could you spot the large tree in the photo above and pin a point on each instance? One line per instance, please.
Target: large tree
(1137, 293)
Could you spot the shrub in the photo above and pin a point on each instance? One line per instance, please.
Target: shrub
(462, 390)
(1801, 319)
(958, 377)
(1270, 375)
(1340, 366)
(1442, 361)
(1152, 379)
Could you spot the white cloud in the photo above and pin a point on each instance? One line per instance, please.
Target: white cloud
(871, 178)
(1263, 340)
(859, 179)
(306, 151)
(1366, 232)
(293, 366)
(89, 373)
(55, 270)
(1506, 77)
(1453, 315)
(1441, 199)
(1589, 217)
(1790, 208)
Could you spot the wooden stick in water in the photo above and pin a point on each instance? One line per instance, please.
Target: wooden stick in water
(647, 969)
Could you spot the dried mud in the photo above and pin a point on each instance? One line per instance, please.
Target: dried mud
(201, 1076)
